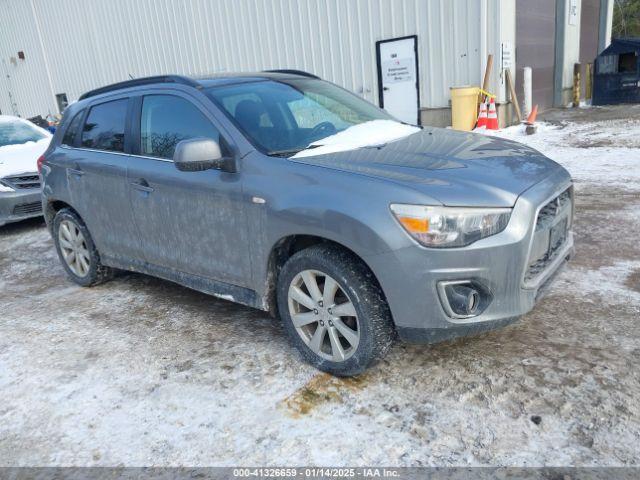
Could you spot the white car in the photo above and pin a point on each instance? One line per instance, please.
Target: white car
(21, 144)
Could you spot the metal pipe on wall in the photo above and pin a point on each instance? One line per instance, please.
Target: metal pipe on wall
(527, 86)
(576, 84)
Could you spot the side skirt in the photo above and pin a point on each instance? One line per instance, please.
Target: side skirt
(225, 291)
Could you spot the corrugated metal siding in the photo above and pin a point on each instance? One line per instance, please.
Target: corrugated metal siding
(26, 79)
(93, 43)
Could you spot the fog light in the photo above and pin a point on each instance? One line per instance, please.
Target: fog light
(464, 298)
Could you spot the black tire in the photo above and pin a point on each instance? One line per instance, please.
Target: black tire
(97, 272)
(358, 283)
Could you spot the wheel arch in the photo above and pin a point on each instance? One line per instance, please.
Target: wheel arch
(52, 207)
(284, 249)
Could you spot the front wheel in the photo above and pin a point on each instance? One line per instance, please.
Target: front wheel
(333, 310)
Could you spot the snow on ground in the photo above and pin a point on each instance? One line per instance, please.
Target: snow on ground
(605, 153)
(140, 371)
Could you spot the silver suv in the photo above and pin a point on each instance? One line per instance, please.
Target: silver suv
(289, 194)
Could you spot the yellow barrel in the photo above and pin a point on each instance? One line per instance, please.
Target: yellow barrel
(464, 107)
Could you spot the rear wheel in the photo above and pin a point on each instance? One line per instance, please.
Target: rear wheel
(76, 250)
(333, 310)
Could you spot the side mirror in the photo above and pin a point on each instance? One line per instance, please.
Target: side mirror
(198, 154)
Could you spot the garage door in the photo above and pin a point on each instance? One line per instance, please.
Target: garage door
(535, 47)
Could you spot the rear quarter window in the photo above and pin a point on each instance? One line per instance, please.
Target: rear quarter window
(104, 127)
(70, 134)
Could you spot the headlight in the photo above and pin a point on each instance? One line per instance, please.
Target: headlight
(5, 188)
(450, 226)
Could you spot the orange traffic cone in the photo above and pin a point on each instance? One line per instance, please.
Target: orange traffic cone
(492, 118)
(531, 119)
(482, 117)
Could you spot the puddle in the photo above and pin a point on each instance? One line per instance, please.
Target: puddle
(633, 281)
(321, 389)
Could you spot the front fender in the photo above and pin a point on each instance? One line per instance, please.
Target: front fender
(344, 207)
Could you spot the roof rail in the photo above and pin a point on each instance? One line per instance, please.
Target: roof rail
(294, 72)
(140, 81)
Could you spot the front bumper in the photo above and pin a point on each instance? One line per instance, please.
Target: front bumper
(409, 276)
(20, 205)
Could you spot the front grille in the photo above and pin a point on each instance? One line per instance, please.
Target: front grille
(27, 208)
(550, 211)
(540, 265)
(22, 182)
(555, 214)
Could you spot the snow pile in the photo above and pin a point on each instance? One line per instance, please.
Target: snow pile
(596, 153)
(16, 159)
(375, 132)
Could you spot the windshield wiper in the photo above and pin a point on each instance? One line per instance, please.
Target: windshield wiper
(284, 153)
(292, 152)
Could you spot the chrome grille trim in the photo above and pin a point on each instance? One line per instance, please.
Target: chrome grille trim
(23, 181)
(558, 206)
(548, 213)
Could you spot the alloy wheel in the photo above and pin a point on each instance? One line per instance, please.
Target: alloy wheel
(74, 248)
(323, 315)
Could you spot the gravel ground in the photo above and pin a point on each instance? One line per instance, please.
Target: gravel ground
(140, 371)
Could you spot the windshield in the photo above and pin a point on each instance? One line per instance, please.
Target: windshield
(16, 132)
(284, 117)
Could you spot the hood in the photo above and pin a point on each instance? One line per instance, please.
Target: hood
(456, 168)
(23, 158)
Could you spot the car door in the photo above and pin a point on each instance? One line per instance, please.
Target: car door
(96, 172)
(190, 222)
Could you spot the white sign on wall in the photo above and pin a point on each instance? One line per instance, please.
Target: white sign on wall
(573, 12)
(507, 55)
(399, 70)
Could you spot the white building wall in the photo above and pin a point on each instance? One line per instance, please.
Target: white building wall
(571, 42)
(90, 43)
(605, 39)
(506, 34)
(24, 85)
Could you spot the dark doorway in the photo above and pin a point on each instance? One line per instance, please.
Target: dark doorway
(535, 48)
(61, 99)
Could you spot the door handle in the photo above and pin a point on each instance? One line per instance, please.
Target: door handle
(385, 88)
(75, 172)
(142, 185)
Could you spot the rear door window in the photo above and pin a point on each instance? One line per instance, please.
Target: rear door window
(105, 125)
(70, 135)
(166, 120)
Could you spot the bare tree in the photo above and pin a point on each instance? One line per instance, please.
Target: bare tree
(626, 18)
